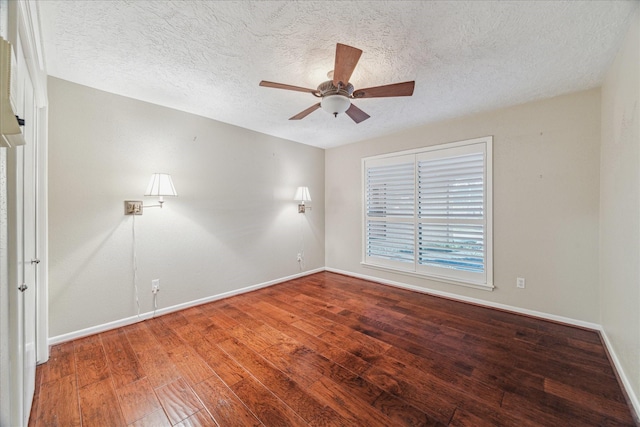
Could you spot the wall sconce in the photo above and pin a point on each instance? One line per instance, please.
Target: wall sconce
(160, 185)
(302, 194)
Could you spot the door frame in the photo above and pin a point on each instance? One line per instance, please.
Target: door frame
(24, 19)
(20, 17)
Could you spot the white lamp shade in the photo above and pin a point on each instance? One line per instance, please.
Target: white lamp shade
(160, 185)
(302, 194)
(335, 104)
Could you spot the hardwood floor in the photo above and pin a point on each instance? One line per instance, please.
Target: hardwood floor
(328, 349)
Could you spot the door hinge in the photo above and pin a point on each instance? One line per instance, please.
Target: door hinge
(23, 287)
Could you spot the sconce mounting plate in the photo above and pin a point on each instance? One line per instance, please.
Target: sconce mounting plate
(132, 207)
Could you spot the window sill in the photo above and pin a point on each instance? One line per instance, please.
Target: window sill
(484, 287)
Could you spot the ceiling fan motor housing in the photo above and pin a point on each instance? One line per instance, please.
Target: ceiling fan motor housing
(328, 88)
(335, 100)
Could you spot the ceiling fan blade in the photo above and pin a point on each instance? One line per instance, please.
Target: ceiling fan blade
(287, 87)
(305, 113)
(396, 89)
(346, 60)
(356, 114)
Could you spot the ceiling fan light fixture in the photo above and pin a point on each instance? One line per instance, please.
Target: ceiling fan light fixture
(335, 104)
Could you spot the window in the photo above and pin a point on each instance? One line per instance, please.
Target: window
(428, 212)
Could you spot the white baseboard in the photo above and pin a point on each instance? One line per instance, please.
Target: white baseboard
(143, 316)
(633, 398)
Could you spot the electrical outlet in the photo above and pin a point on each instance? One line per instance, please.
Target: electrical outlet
(299, 259)
(155, 286)
(520, 282)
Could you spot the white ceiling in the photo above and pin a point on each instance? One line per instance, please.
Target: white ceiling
(207, 57)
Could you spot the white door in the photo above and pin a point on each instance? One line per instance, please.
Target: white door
(21, 189)
(30, 244)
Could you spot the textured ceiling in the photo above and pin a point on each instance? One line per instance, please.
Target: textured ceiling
(207, 57)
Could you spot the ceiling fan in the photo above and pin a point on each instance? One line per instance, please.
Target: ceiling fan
(336, 94)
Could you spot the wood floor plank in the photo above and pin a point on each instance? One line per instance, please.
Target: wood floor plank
(178, 400)
(164, 334)
(199, 419)
(223, 405)
(99, 405)
(270, 410)
(57, 403)
(278, 382)
(552, 410)
(333, 353)
(151, 355)
(395, 408)
(422, 395)
(332, 350)
(459, 382)
(190, 365)
(123, 364)
(174, 320)
(347, 406)
(61, 363)
(297, 361)
(219, 361)
(137, 400)
(154, 419)
(197, 318)
(91, 362)
(595, 402)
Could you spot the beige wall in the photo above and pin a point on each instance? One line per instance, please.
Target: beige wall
(546, 200)
(233, 225)
(620, 207)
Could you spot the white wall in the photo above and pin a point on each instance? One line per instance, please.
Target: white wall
(620, 208)
(233, 225)
(546, 201)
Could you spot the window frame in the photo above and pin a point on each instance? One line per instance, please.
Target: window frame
(459, 277)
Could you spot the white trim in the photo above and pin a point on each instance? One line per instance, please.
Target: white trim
(485, 303)
(29, 30)
(432, 147)
(633, 398)
(144, 316)
(42, 249)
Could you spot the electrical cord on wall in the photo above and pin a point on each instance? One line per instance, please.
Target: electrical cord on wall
(155, 304)
(301, 254)
(135, 266)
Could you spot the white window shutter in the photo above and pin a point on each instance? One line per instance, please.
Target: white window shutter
(390, 211)
(428, 212)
